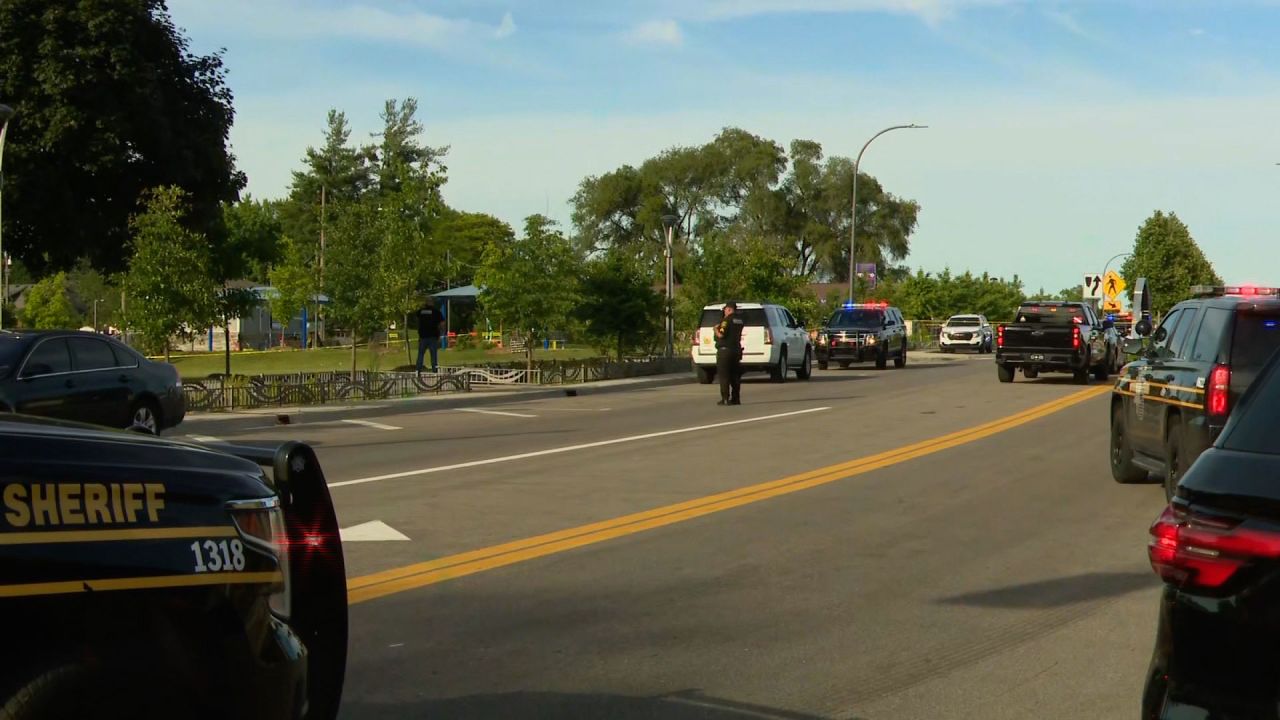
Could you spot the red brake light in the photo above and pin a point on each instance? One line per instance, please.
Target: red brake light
(999, 336)
(768, 336)
(1216, 398)
(1205, 552)
(1075, 337)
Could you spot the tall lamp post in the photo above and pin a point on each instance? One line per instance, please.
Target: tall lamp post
(6, 112)
(669, 223)
(853, 225)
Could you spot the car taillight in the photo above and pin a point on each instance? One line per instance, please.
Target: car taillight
(1075, 337)
(261, 524)
(999, 336)
(1219, 391)
(768, 336)
(1197, 551)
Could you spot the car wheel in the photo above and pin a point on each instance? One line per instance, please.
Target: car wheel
(779, 373)
(1081, 376)
(1031, 373)
(806, 368)
(882, 359)
(901, 361)
(1103, 371)
(947, 350)
(706, 375)
(145, 415)
(822, 365)
(1174, 457)
(1005, 373)
(844, 364)
(1122, 468)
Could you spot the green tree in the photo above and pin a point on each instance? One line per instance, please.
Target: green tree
(619, 307)
(357, 298)
(463, 236)
(335, 175)
(254, 238)
(1168, 257)
(400, 159)
(87, 286)
(169, 285)
(110, 101)
(530, 284)
(294, 280)
(49, 305)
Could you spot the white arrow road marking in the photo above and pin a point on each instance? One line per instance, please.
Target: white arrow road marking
(372, 424)
(372, 531)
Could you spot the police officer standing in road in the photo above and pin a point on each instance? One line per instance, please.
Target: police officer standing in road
(729, 355)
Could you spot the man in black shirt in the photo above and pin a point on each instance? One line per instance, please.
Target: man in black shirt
(729, 355)
(430, 325)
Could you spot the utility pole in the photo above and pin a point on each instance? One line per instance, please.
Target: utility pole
(670, 222)
(6, 112)
(317, 299)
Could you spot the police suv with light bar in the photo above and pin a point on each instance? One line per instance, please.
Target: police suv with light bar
(1171, 403)
(146, 578)
(861, 332)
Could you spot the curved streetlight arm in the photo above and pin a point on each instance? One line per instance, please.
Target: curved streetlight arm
(6, 112)
(853, 224)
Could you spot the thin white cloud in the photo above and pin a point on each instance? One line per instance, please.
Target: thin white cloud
(1196, 32)
(931, 11)
(1068, 22)
(298, 19)
(656, 32)
(506, 28)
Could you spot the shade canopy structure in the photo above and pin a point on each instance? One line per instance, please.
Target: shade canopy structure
(465, 292)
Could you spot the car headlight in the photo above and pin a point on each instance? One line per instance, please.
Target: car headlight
(822, 339)
(871, 340)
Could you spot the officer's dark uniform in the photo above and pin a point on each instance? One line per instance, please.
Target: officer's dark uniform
(729, 359)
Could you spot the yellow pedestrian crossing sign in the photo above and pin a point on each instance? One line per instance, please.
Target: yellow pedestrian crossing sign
(1112, 286)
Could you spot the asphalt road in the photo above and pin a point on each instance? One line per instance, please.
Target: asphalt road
(918, 543)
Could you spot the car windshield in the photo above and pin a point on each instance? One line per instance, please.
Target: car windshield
(856, 319)
(10, 352)
(1050, 314)
(964, 321)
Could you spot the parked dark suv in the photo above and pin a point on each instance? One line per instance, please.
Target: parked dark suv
(1217, 548)
(1171, 403)
(89, 378)
(862, 332)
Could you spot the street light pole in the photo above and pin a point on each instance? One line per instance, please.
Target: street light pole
(95, 315)
(669, 223)
(853, 224)
(6, 112)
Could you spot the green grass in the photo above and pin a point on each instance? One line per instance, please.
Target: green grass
(335, 359)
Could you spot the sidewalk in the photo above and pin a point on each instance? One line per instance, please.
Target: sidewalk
(448, 401)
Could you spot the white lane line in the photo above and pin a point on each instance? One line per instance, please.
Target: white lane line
(495, 412)
(570, 448)
(372, 424)
(205, 438)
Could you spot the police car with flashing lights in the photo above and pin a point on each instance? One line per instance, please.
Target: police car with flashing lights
(863, 332)
(1169, 405)
(146, 578)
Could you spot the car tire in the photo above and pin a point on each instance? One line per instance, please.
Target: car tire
(1103, 371)
(1030, 373)
(947, 350)
(901, 361)
(1081, 376)
(805, 371)
(145, 413)
(706, 376)
(779, 373)
(1174, 456)
(822, 365)
(882, 359)
(1122, 468)
(1005, 372)
(844, 364)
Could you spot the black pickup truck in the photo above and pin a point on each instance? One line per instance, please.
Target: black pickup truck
(1063, 337)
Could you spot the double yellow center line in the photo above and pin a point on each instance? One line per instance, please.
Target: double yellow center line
(402, 579)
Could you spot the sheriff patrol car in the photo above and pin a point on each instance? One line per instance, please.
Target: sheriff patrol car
(145, 578)
(1170, 404)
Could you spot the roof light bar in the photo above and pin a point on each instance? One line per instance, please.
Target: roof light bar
(1239, 290)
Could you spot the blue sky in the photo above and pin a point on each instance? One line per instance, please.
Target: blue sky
(1056, 128)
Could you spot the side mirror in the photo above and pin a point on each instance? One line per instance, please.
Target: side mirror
(1143, 328)
(1134, 346)
(1161, 334)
